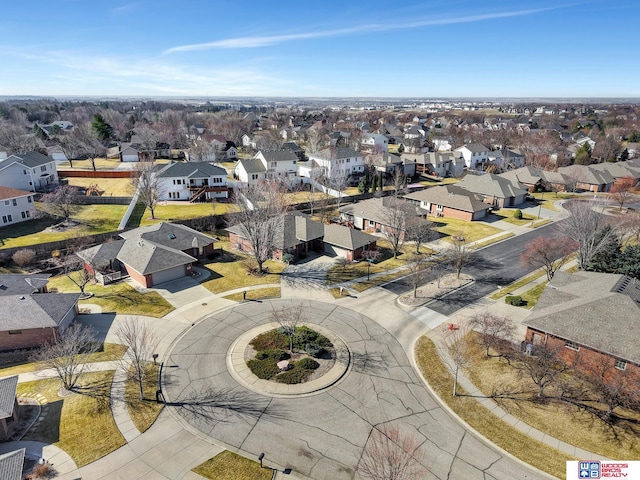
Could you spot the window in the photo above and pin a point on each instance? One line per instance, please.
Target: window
(29, 199)
(28, 213)
(4, 219)
(572, 345)
(24, 172)
(7, 202)
(439, 208)
(620, 364)
(9, 217)
(15, 332)
(254, 176)
(348, 160)
(372, 223)
(15, 202)
(43, 168)
(24, 214)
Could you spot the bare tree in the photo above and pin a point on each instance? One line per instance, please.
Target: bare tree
(585, 226)
(60, 203)
(147, 138)
(202, 151)
(631, 225)
(458, 254)
(494, 330)
(75, 270)
(141, 342)
(316, 139)
(399, 182)
(88, 144)
(395, 214)
(548, 253)
(68, 356)
(148, 185)
(622, 190)
(543, 367)
(457, 342)
(419, 230)
(391, 455)
(338, 181)
(289, 318)
(418, 267)
(260, 219)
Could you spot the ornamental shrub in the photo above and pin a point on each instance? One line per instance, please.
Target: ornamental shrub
(293, 376)
(263, 369)
(308, 364)
(515, 300)
(314, 349)
(275, 354)
(517, 214)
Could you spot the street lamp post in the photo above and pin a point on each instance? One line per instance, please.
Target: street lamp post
(260, 457)
(540, 208)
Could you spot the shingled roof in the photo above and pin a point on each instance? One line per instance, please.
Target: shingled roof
(41, 310)
(7, 192)
(22, 284)
(450, 196)
(29, 159)
(192, 170)
(11, 464)
(598, 310)
(493, 185)
(8, 386)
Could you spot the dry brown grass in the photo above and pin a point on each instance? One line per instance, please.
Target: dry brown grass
(143, 412)
(522, 446)
(231, 466)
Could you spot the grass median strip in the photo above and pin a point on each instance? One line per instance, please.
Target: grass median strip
(522, 446)
(255, 294)
(80, 424)
(491, 241)
(231, 466)
(517, 284)
(143, 412)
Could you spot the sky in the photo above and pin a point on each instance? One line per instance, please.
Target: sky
(326, 48)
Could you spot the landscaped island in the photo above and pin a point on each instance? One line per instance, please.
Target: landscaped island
(290, 355)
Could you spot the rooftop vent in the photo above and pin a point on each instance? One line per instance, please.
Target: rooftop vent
(171, 235)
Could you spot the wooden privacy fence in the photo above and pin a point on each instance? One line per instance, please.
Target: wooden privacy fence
(96, 174)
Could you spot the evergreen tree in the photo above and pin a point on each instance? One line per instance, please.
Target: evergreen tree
(374, 184)
(102, 129)
(362, 186)
(609, 258)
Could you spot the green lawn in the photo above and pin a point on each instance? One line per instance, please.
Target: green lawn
(93, 219)
(532, 295)
(470, 231)
(111, 187)
(229, 272)
(259, 294)
(548, 198)
(231, 466)
(432, 183)
(117, 297)
(81, 425)
(506, 214)
(185, 211)
(517, 284)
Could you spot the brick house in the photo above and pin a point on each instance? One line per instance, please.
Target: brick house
(150, 255)
(371, 215)
(9, 408)
(298, 235)
(449, 201)
(591, 317)
(495, 190)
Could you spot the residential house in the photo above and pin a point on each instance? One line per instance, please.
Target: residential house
(30, 320)
(23, 284)
(294, 148)
(494, 189)
(279, 165)
(450, 201)
(11, 465)
(371, 215)
(230, 151)
(529, 177)
(15, 205)
(250, 171)
(583, 177)
(31, 171)
(56, 152)
(149, 255)
(374, 143)
(9, 408)
(506, 159)
(298, 235)
(440, 164)
(632, 147)
(590, 316)
(192, 182)
(475, 155)
(339, 161)
(389, 163)
(618, 170)
(131, 152)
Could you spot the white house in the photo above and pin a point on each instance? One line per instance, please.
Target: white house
(339, 161)
(279, 164)
(250, 171)
(130, 152)
(506, 159)
(15, 205)
(28, 171)
(474, 154)
(375, 143)
(192, 182)
(56, 152)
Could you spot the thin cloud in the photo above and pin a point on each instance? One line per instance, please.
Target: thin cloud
(264, 41)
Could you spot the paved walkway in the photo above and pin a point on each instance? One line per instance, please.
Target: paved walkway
(167, 450)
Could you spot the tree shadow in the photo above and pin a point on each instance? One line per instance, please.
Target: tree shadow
(223, 405)
(368, 363)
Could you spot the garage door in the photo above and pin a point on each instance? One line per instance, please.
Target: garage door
(334, 251)
(167, 275)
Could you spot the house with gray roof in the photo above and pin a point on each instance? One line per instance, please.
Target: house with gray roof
(338, 161)
(193, 182)
(495, 190)
(279, 164)
(11, 464)
(371, 215)
(31, 320)
(250, 171)
(591, 316)
(450, 201)
(586, 178)
(149, 255)
(475, 155)
(32, 172)
(298, 235)
(23, 284)
(440, 164)
(619, 170)
(9, 408)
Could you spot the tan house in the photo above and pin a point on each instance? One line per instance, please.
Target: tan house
(450, 201)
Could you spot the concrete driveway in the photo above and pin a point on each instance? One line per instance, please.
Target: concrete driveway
(321, 436)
